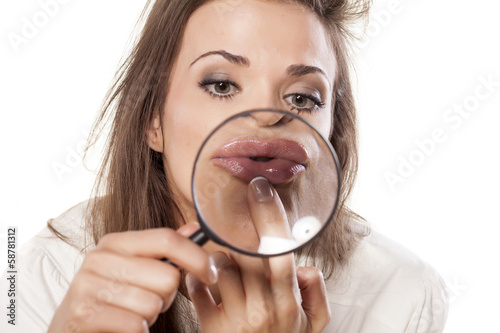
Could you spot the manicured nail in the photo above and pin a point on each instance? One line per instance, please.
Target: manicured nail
(262, 191)
(213, 275)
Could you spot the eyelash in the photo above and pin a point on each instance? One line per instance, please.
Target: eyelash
(318, 104)
(207, 82)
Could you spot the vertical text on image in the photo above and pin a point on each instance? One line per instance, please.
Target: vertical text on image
(11, 274)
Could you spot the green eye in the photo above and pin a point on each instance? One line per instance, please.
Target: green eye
(299, 101)
(222, 88)
(219, 88)
(304, 102)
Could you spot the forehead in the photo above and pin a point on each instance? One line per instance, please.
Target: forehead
(256, 29)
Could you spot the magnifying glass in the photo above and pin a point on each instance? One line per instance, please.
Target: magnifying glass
(294, 158)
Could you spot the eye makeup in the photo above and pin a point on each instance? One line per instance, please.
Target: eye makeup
(219, 87)
(304, 102)
(298, 95)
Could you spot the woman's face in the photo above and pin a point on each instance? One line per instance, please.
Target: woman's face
(237, 56)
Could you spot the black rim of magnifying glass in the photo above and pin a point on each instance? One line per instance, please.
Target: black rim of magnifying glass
(205, 233)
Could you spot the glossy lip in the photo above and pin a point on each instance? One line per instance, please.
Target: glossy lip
(287, 159)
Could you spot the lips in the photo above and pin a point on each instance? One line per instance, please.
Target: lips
(278, 160)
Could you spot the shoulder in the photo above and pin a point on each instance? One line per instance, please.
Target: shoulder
(46, 265)
(387, 288)
(65, 255)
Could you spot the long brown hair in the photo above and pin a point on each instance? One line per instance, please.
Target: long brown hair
(132, 188)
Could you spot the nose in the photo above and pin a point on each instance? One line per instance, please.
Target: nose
(270, 118)
(269, 98)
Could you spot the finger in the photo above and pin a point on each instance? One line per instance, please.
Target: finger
(230, 286)
(266, 209)
(314, 298)
(163, 243)
(92, 318)
(202, 299)
(144, 273)
(269, 217)
(141, 301)
(188, 229)
(255, 277)
(254, 272)
(283, 281)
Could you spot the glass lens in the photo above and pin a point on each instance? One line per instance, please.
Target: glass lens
(294, 159)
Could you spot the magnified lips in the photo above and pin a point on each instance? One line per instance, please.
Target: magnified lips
(278, 160)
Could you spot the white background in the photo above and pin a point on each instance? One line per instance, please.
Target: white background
(421, 58)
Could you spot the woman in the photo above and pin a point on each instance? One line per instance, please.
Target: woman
(195, 64)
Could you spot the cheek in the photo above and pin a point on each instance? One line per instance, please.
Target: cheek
(321, 121)
(184, 132)
(325, 127)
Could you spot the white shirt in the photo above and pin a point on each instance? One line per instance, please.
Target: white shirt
(383, 289)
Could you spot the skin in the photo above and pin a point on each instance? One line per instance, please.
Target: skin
(229, 291)
(276, 36)
(261, 295)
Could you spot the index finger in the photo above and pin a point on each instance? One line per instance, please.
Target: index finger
(269, 218)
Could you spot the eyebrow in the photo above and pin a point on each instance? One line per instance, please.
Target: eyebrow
(235, 59)
(300, 70)
(292, 70)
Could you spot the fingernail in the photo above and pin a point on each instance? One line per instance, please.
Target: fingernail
(213, 276)
(262, 191)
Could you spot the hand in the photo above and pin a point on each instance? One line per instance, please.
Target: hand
(122, 286)
(262, 295)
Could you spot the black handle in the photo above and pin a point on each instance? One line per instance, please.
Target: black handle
(199, 237)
